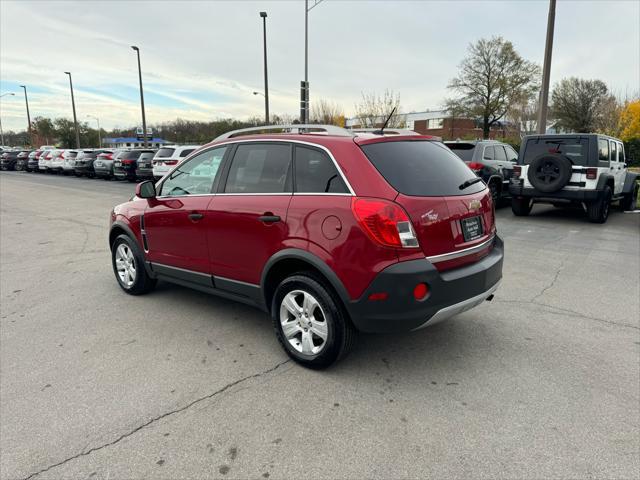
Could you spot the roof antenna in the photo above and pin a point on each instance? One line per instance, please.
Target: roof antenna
(381, 131)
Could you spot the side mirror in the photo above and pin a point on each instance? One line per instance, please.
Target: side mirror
(146, 189)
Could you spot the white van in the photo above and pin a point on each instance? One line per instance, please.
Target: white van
(168, 157)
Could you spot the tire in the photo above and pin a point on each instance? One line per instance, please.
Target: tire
(19, 167)
(327, 317)
(628, 203)
(521, 207)
(549, 172)
(495, 193)
(598, 211)
(125, 254)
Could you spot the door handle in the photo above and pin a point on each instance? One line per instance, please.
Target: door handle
(269, 218)
(195, 216)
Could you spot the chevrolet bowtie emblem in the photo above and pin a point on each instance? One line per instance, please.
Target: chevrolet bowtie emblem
(474, 204)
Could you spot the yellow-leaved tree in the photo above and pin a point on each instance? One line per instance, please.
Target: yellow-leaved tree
(630, 122)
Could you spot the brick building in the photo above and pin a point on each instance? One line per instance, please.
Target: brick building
(441, 124)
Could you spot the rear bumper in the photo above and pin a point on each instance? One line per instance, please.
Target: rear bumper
(83, 168)
(144, 172)
(517, 189)
(450, 292)
(124, 172)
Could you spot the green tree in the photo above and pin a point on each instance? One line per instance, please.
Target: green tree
(491, 79)
(582, 105)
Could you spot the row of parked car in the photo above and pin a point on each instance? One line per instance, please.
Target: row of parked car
(130, 164)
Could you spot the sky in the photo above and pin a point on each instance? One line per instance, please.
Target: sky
(202, 60)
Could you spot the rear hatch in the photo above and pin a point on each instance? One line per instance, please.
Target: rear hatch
(576, 149)
(450, 207)
(162, 155)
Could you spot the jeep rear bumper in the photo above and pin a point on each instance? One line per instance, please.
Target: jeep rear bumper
(450, 292)
(518, 190)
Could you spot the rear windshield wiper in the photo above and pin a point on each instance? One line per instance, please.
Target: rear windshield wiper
(470, 182)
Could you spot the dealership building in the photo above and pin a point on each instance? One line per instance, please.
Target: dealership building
(134, 142)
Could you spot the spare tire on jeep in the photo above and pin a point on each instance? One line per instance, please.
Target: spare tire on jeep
(549, 172)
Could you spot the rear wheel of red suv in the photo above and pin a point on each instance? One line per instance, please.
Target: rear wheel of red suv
(128, 266)
(309, 321)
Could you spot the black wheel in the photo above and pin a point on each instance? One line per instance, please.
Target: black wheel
(598, 211)
(628, 203)
(128, 266)
(521, 207)
(310, 322)
(494, 188)
(19, 167)
(549, 172)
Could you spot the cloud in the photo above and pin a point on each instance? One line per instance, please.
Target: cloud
(203, 59)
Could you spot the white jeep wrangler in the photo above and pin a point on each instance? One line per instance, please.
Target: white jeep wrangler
(588, 169)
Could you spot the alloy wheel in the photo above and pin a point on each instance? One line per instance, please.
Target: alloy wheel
(125, 265)
(303, 322)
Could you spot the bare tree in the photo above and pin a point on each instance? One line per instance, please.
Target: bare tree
(583, 105)
(327, 113)
(492, 78)
(374, 109)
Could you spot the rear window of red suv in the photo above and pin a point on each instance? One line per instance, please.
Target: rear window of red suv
(421, 168)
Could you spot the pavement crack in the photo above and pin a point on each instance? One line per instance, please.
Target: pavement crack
(85, 452)
(553, 282)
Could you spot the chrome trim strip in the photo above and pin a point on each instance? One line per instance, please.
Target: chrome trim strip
(461, 253)
(260, 140)
(457, 308)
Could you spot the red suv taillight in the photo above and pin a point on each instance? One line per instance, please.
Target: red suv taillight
(475, 166)
(517, 171)
(592, 173)
(385, 222)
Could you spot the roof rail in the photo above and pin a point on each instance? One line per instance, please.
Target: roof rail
(301, 129)
(387, 131)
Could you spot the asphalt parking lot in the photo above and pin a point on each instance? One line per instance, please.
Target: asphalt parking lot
(542, 382)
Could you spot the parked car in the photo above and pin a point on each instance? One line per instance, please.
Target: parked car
(330, 234)
(84, 162)
(69, 161)
(580, 169)
(57, 160)
(103, 164)
(32, 160)
(144, 165)
(168, 157)
(47, 147)
(491, 160)
(44, 162)
(22, 160)
(126, 165)
(8, 159)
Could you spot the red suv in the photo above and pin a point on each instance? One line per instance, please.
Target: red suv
(329, 233)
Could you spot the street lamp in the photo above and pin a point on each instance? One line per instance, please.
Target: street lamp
(99, 131)
(258, 93)
(144, 120)
(546, 69)
(263, 15)
(307, 9)
(26, 101)
(73, 105)
(1, 132)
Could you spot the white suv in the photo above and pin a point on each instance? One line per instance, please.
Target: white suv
(587, 169)
(168, 157)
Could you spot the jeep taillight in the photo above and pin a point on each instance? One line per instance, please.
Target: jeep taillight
(385, 222)
(475, 166)
(517, 171)
(592, 173)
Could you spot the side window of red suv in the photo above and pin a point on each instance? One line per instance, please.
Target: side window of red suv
(196, 176)
(260, 168)
(316, 172)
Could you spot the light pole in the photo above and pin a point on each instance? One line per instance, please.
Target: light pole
(73, 105)
(1, 132)
(99, 131)
(546, 69)
(263, 15)
(307, 9)
(144, 120)
(26, 101)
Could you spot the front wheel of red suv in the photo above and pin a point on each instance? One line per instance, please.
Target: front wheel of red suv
(309, 321)
(128, 266)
